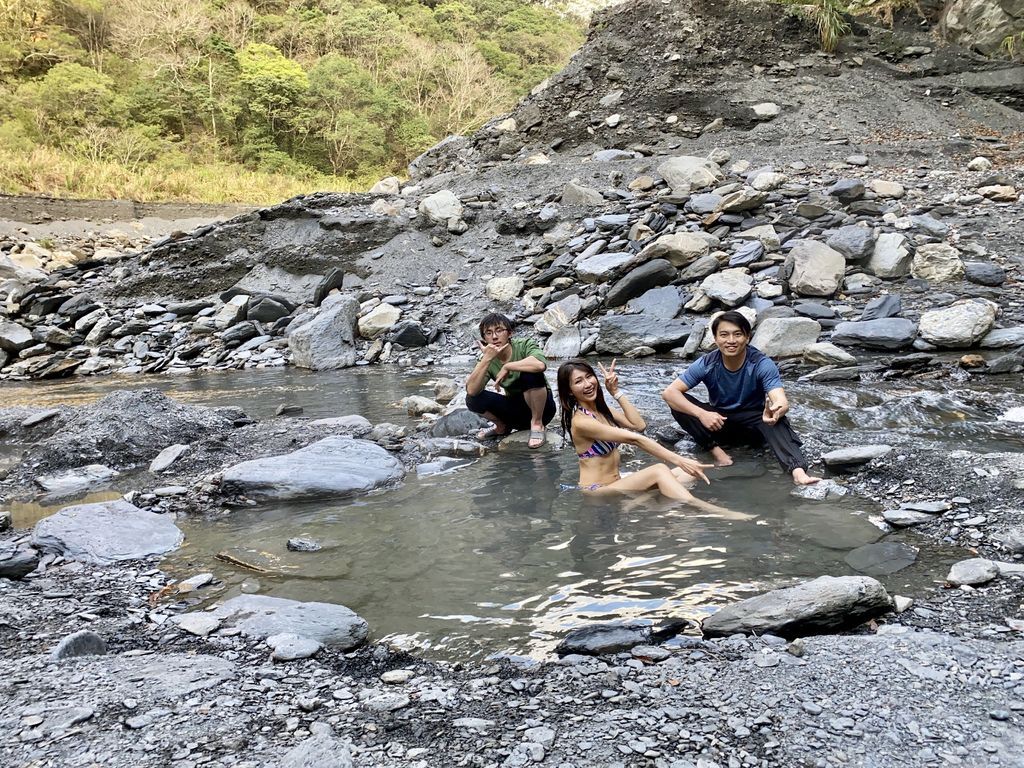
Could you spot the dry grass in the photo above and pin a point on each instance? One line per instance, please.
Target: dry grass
(50, 172)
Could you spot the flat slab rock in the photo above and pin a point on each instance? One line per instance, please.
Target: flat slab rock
(604, 638)
(826, 604)
(106, 532)
(261, 617)
(336, 466)
(855, 455)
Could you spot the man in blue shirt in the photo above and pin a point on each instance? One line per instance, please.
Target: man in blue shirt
(747, 402)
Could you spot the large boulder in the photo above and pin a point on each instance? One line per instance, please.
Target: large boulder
(653, 274)
(816, 269)
(959, 325)
(890, 333)
(854, 242)
(261, 616)
(564, 344)
(263, 280)
(327, 342)
(11, 269)
(441, 206)
(334, 467)
(577, 194)
(731, 287)
(619, 334)
(665, 302)
(687, 172)
(14, 337)
(680, 248)
(937, 262)
(891, 256)
(826, 604)
(504, 288)
(106, 532)
(786, 336)
(983, 25)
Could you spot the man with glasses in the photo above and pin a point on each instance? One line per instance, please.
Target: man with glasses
(747, 402)
(515, 365)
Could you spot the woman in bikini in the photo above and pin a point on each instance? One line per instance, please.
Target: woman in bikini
(596, 432)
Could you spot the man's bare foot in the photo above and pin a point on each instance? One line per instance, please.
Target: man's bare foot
(722, 459)
(800, 477)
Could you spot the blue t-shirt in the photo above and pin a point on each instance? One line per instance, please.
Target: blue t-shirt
(734, 390)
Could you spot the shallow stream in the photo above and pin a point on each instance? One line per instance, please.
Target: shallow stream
(492, 557)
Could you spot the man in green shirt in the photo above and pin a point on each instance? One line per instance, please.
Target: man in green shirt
(518, 366)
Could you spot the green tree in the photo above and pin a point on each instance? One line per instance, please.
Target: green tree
(270, 93)
(69, 101)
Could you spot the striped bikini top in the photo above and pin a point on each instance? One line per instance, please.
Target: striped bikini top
(599, 447)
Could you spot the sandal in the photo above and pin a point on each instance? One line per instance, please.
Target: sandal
(537, 434)
(491, 431)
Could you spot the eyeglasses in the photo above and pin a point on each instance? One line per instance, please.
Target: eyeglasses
(495, 332)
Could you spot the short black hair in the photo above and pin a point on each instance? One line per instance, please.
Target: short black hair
(492, 319)
(734, 317)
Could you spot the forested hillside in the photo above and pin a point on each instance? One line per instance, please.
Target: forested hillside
(253, 100)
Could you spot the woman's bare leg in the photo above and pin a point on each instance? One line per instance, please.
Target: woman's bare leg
(663, 478)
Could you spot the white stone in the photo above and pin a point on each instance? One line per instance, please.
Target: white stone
(687, 172)
(231, 312)
(979, 164)
(785, 336)
(730, 286)
(504, 288)
(817, 269)
(937, 263)
(441, 206)
(827, 353)
(389, 185)
(378, 320)
(892, 190)
(959, 325)
(767, 109)
(680, 248)
(891, 256)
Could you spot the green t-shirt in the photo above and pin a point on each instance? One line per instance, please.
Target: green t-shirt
(521, 348)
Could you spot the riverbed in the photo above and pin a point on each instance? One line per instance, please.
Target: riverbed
(495, 556)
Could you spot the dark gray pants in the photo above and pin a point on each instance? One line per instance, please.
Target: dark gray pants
(745, 427)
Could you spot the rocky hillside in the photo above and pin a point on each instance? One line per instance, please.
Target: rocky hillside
(692, 157)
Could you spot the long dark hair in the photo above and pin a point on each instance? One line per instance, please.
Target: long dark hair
(568, 402)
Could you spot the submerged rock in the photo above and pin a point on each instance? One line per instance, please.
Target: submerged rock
(882, 558)
(75, 480)
(333, 467)
(826, 604)
(106, 532)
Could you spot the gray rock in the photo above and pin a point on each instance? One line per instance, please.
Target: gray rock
(334, 467)
(576, 194)
(441, 206)
(680, 249)
(197, 623)
(882, 307)
(353, 424)
(560, 314)
(984, 273)
(166, 457)
(972, 572)
(959, 325)
(704, 203)
(457, 423)
(855, 455)
(664, 302)
(290, 647)
(75, 480)
(847, 190)
(106, 532)
(14, 337)
(826, 353)
(263, 280)
(826, 604)
(266, 309)
(904, 518)
(303, 545)
(600, 639)
(930, 224)
(320, 750)
(701, 268)
(889, 333)
(882, 558)
(85, 642)
(564, 344)
(410, 334)
(653, 274)
(260, 617)
(327, 342)
(891, 256)
(854, 242)
(16, 562)
(731, 287)
(785, 336)
(618, 334)
(602, 267)
(687, 172)
(1013, 540)
(1003, 338)
(816, 269)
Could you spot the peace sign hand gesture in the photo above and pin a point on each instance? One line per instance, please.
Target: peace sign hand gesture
(611, 378)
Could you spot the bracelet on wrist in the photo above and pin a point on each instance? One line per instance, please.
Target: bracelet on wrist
(619, 395)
